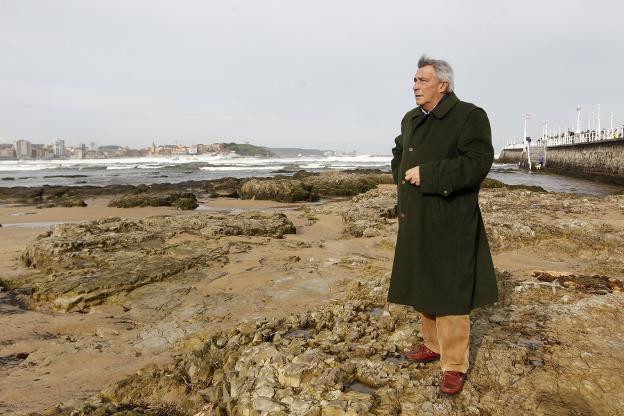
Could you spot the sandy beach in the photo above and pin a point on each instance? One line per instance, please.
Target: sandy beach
(68, 349)
(67, 362)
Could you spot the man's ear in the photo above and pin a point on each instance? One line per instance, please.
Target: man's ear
(443, 87)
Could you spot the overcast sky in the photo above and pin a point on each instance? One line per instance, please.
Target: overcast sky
(318, 74)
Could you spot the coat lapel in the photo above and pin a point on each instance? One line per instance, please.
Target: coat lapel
(445, 105)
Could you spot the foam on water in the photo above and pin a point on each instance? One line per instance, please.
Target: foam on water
(210, 160)
(240, 168)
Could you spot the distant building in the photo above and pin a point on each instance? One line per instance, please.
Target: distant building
(79, 152)
(42, 151)
(110, 151)
(7, 151)
(179, 150)
(23, 149)
(193, 150)
(59, 147)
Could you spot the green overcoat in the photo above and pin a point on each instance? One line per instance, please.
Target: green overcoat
(442, 262)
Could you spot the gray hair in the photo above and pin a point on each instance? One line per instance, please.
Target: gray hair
(443, 70)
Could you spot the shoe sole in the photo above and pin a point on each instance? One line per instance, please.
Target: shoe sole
(426, 360)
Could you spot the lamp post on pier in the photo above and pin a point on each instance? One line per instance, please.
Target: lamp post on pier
(598, 116)
(591, 121)
(524, 136)
(611, 129)
(526, 140)
(578, 119)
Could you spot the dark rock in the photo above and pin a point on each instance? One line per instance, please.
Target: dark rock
(66, 203)
(305, 186)
(66, 176)
(281, 190)
(494, 183)
(302, 174)
(288, 169)
(344, 183)
(180, 200)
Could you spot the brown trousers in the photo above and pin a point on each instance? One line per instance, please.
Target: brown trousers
(449, 336)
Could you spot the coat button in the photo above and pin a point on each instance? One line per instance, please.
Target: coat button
(410, 149)
(402, 215)
(403, 182)
(445, 192)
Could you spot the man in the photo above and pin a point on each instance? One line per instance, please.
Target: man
(442, 264)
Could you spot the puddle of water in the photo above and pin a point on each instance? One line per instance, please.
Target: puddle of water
(288, 207)
(13, 359)
(536, 361)
(530, 343)
(359, 387)
(376, 311)
(202, 207)
(298, 333)
(12, 301)
(36, 224)
(21, 214)
(284, 279)
(395, 360)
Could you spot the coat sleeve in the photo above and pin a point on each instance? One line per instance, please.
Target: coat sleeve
(467, 170)
(397, 154)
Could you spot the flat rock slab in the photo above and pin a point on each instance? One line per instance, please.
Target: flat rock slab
(81, 265)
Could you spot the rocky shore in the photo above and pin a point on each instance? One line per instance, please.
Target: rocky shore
(282, 311)
(301, 186)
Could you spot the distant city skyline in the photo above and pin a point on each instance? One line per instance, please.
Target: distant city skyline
(22, 149)
(296, 74)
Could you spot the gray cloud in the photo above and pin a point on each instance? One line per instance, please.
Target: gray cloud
(295, 73)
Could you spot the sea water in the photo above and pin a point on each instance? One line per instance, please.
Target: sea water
(148, 170)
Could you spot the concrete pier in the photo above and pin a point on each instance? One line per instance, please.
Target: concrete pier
(603, 161)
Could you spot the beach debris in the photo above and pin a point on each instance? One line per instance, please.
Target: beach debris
(594, 284)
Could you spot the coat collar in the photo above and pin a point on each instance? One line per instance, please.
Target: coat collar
(443, 107)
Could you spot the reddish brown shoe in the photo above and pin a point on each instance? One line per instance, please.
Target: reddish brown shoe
(452, 382)
(422, 354)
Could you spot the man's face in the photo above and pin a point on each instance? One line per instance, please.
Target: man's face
(427, 89)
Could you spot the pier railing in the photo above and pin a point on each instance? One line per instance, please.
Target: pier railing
(569, 138)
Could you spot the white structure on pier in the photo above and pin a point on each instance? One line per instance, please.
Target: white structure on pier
(569, 137)
(611, 120)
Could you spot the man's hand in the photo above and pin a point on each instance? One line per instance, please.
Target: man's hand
(413, 175)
